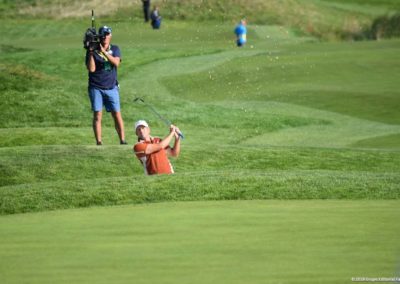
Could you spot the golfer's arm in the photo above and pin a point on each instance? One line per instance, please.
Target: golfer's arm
(151, 148)
(91, 65)
(177, 147)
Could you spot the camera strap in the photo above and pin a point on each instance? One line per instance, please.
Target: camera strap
(102, 55)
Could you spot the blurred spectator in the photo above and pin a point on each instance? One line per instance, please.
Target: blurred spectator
(241, 32)
(155, 18)
(146, 9)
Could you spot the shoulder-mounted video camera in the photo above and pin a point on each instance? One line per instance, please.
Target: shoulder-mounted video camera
(91, 40)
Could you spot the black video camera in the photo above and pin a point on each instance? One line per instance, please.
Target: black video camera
(91, 40)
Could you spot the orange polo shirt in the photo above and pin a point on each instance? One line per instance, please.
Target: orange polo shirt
(154, 163)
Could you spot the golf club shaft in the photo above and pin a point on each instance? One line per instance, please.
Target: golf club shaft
(166, 121)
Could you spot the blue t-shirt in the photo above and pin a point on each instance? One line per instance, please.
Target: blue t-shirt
(105, 76)
(241, 32)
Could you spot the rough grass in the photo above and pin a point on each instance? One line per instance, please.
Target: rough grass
(60, 8)
(328, 20)
(48, 178)
(272, 133)
(200, 186)
(238, 148)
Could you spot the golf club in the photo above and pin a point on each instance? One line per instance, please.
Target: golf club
(166, 121)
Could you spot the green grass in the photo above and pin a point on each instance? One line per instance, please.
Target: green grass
(327, 20)
(280, 109)
(287, 117)
(204, 242)
(333, 80)
(49, 179)
(387, 141)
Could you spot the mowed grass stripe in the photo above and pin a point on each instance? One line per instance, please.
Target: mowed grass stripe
(194, 186)
(204, 242)
(321, 128)
(357, 79)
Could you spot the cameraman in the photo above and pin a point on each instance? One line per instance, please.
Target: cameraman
(102, 63)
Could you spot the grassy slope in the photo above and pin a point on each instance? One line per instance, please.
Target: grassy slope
(287, 149)
(204, 242)
(325, 19)
(333, 79)
(271, 113)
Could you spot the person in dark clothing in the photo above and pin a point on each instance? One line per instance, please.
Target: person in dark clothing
(155, 18)
(146, 9)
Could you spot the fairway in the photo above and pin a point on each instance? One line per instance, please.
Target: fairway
(290, 167)
(204, 242)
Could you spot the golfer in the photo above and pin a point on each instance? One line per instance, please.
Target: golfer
(153, 152)
(103, 87)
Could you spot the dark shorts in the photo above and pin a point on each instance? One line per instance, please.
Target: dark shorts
(240, 42)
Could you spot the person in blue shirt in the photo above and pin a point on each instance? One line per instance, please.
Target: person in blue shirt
(103, 86)
(241, 32)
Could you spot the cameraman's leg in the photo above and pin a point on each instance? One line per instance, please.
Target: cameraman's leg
(112, 105)
(119, 125)
(97, 116)
(96, 100)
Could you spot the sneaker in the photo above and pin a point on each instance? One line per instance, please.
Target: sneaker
(123, 142)
(99, 143)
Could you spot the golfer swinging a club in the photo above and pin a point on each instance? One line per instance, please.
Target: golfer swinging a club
(153, 152)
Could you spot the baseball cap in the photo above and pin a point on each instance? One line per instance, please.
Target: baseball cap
(140, 123)
(104, 30)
